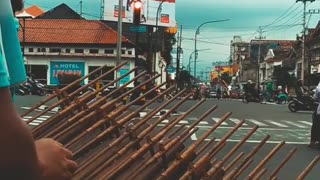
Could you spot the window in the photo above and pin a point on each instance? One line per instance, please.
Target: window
(55, 50)
(108, 51)
(41, 50)
(130, 52)
(78, 50)
(93, 51)
(68, 51)
(123, 51)
(30, 49)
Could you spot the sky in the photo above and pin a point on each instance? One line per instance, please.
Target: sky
(280, 19)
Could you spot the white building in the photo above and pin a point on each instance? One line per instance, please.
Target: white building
(53, 46)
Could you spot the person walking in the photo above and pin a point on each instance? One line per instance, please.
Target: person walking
(315, 128)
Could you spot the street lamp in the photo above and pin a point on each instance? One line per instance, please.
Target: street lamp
(195, 42)
(190, 57)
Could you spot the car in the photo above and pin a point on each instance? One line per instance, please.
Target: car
(211, 92)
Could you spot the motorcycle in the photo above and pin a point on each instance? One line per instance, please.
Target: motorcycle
(248, 97)
(35, 87)
(299, 104)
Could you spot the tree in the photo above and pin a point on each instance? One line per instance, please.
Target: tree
(283, 77)
(226, 77)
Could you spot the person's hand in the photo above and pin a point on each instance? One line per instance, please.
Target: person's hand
(55, 160)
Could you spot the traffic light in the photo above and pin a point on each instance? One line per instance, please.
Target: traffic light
(137, 6)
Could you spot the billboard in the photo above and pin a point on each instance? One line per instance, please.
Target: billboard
(166, 17)
(63, 67)
(123, 70)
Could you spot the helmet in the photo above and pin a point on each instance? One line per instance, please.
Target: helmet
(249, 81)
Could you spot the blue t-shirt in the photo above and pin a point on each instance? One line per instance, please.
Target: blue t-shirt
(12, 70)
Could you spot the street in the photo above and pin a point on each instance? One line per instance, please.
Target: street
(273, 119)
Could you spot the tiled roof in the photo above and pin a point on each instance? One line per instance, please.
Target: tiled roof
(68, 31)
(282, 43)
(33, 11)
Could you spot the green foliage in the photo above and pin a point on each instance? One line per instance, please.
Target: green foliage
(284, 78)
(169, 41)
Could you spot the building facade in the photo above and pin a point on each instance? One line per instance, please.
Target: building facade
(53, 46)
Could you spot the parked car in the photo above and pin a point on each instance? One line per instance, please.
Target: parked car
(212, 92)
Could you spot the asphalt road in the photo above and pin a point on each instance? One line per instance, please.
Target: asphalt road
(276, 120)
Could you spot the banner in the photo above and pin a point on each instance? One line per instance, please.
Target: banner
(63, 67)
(123, 70)
(166, 16)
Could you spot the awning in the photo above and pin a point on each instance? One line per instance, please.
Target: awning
(277, 63)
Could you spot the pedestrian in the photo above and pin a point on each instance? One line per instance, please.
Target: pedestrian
(21, 157)
(218, 92)
(315, 128)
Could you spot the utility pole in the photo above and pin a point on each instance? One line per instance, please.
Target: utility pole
(81, 2)
(304, 36)
(260, 37)
(311, 12)
(119, 39)
(179, 53)
(101, 9)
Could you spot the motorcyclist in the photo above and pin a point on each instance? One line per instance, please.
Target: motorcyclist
(249, 89)
(303, 95)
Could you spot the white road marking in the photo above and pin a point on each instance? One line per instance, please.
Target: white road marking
(256, 122)
(43, 119)
(268, 142)
(34, 124)
(194, 137)
(218, 119)
(43, 107)
(236, 121)
(295, 124)
(276, 123)
(306, 122)
(27, 108)
(204, 122)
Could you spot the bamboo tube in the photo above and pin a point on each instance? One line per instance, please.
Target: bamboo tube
(186, 155)
(234, 161)
(76, 92)
(276, 171)
(66, 88)
(51, 121)
(265, 160)
(309, 168)
(88, 117)
(169, 146)
(112, 116)
(260, 174)
(138, 138)
(249, 156)
(145, 147)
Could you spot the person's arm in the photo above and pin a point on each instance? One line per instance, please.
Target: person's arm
(18, 157)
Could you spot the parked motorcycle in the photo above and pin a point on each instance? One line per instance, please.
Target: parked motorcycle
(248, 97)
(302, 104)
(35, 87)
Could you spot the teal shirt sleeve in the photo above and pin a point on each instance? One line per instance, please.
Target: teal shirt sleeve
(4, 77)
(11, 50)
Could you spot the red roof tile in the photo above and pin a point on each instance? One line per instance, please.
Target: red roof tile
(68, 31)
(33, 10)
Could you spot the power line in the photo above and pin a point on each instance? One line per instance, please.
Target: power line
(280, 17)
